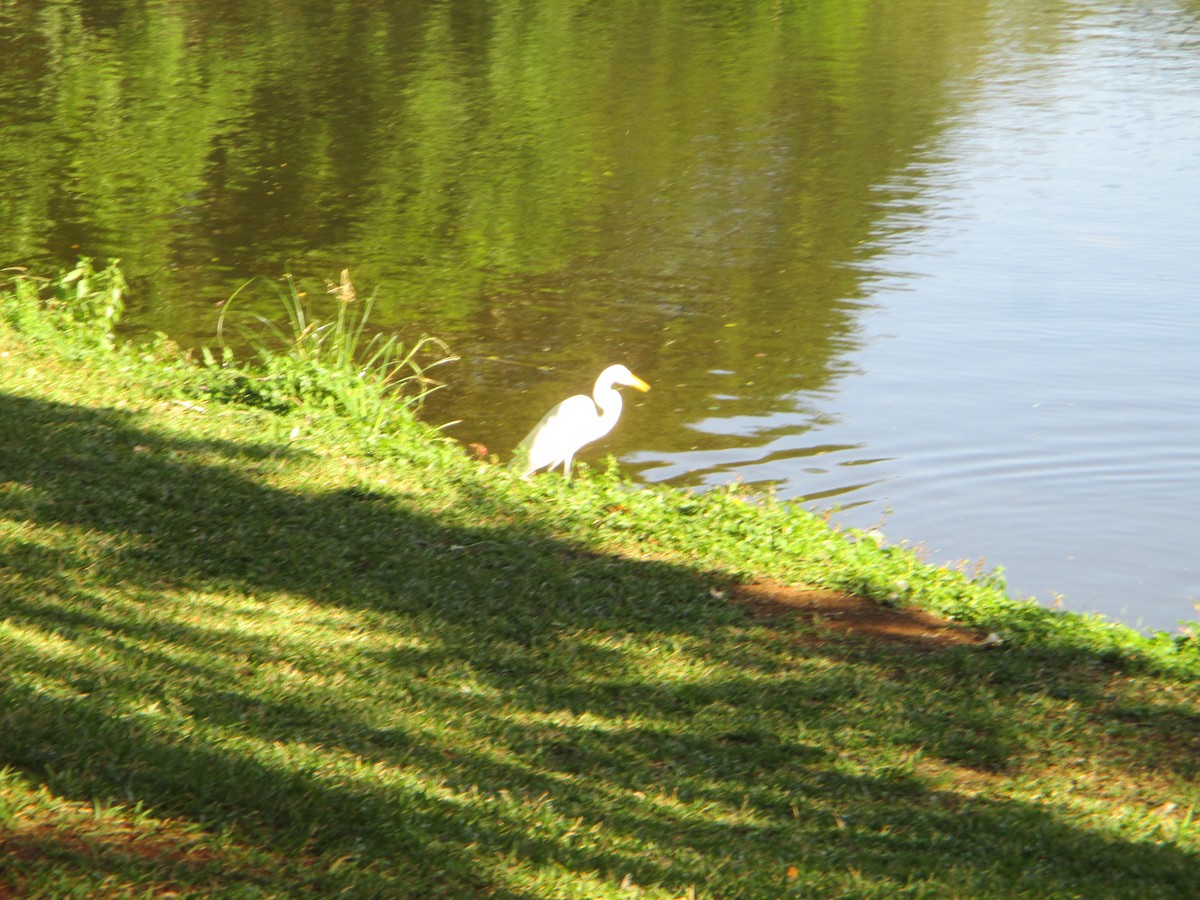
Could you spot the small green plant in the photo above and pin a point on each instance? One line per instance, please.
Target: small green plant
(81, 307)
(324, 363)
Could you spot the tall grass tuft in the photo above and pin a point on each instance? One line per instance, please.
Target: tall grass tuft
(78, 310)
(320, 361)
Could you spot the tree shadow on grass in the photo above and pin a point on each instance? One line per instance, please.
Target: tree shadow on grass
(466, 709)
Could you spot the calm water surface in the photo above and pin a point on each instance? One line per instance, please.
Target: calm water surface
(1027, 383)
(930, 263)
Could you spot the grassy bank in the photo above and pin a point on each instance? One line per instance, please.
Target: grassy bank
(256, 643)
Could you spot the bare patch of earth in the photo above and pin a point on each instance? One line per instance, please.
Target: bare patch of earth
(852, 615)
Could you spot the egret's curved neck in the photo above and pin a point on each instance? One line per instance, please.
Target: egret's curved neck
(608, 401)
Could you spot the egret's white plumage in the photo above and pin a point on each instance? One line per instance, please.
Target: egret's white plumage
(576, 421)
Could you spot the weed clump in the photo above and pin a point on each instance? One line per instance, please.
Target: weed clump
(320, 363)
(78, 311)
(324, 363)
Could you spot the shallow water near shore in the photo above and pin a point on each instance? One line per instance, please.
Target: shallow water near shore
(930, 264)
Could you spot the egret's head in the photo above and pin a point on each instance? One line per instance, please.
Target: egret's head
(622, 375)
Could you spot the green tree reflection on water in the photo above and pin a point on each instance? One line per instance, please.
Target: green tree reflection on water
(685, 186)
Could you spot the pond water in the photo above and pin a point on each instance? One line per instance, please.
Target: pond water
(932, 264)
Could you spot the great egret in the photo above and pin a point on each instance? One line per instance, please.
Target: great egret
(576, 421)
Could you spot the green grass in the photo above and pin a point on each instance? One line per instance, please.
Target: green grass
(329, 364)
(256, 653)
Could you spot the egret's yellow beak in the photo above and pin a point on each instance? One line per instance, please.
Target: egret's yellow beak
(638, 383)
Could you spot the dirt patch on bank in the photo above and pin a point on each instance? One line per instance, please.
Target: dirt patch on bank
(852, 615)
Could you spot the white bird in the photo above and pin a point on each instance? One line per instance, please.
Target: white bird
(576, 421)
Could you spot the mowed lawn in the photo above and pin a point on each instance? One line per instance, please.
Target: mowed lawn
(250, 654)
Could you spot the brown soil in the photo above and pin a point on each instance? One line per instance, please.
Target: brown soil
(852, 615)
